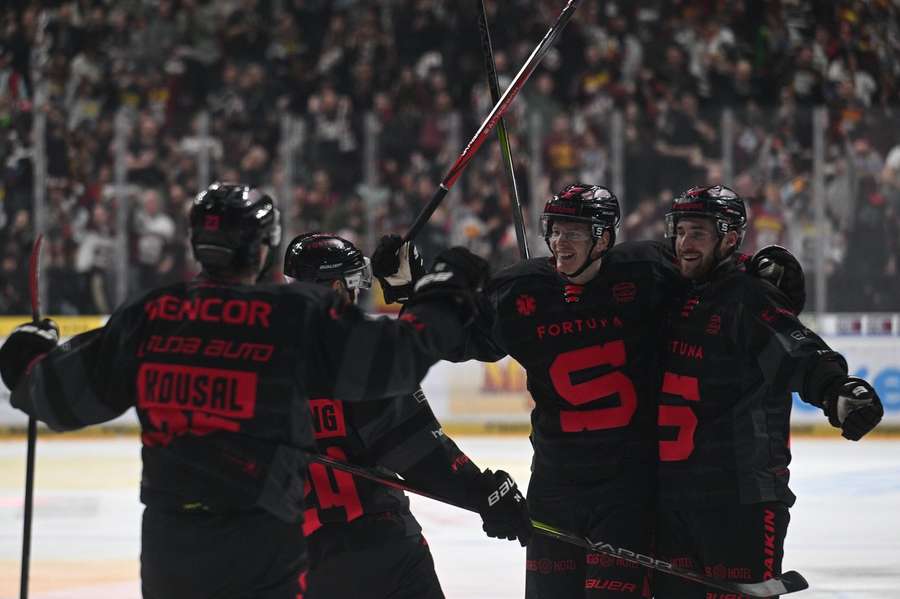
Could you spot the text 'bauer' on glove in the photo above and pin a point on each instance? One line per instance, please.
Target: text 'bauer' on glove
(503, 510)
(779, 267)
(397, 265)
(457, 275)
(25, 344)
(853, 406)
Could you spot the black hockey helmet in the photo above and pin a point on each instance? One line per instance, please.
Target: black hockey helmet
(592, 204)
(229, 225)
(322, 257)
(716, 202)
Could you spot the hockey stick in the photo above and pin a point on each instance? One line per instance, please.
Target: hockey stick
(788, 582)
(493, 117)
(34, 288)
(502, 137)
(377, 476)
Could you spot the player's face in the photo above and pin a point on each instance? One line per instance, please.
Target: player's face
(695, 246)
(347, 295)
(570, 243)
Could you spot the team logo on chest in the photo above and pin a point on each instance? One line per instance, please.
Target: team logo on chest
(624, 292)
(526, 305)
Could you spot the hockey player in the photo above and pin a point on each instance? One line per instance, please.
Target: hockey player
(220, 371)
(585, 324)
(734, 352)
(363, 540)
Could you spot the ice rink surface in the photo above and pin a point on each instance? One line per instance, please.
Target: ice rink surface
(844, 535)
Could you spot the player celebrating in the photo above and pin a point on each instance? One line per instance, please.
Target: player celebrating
(584, 324)
(220, 370)
(734, 353)
(363, 540)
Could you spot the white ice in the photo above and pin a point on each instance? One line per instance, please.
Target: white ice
(843, 535)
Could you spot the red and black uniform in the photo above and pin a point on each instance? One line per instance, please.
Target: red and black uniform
(363, 539)
(733, 354)
(591, 356)
(221, 377)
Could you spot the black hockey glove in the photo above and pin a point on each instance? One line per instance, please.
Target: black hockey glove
(398, 266)
(27, 342)
(503, 509)
(852, 405)
(458, 275)
(779, 267)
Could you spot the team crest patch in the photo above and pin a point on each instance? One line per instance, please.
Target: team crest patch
(624, 292)
(526, 305)
(211, 222)
(572, 293)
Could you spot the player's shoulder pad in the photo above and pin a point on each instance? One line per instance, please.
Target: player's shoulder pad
(642, 256)
(533, 267)
(754, 291)
(641, 251)
(135, 306)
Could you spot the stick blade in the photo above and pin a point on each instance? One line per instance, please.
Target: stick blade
(793, 582)
(789, 582)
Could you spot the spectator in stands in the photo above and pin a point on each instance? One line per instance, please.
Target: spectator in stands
(670, 67)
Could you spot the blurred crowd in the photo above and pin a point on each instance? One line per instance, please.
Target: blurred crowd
(379, 97)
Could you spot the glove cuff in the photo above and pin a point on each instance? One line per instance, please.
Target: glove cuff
(395, 294)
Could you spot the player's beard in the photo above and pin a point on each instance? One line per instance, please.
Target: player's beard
(699, 267)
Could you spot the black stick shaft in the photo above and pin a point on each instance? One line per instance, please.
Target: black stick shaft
(29, 508)
(789, 582)
(34, 288)
(493, 117)
(502, 135)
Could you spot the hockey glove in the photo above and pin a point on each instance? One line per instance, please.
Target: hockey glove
(779, 267)
(853, 406)
(398, 266)
(503, 509)
(26, 343)
(458, 275)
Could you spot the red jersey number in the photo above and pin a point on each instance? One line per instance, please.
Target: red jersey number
(342, 494)
(606, 385)
(682, 417)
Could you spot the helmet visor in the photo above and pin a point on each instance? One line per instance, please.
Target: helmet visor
(361, 277)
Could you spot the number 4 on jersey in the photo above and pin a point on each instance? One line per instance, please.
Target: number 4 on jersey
(342, 494)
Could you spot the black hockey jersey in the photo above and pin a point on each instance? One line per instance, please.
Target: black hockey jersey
(733, 354)
(590, 353)
(400, 435)
(220, 377)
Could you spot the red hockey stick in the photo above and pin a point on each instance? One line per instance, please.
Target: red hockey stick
(493, 118)
(34, 266)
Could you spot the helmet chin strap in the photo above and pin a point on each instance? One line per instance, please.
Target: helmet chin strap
(587, 261)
